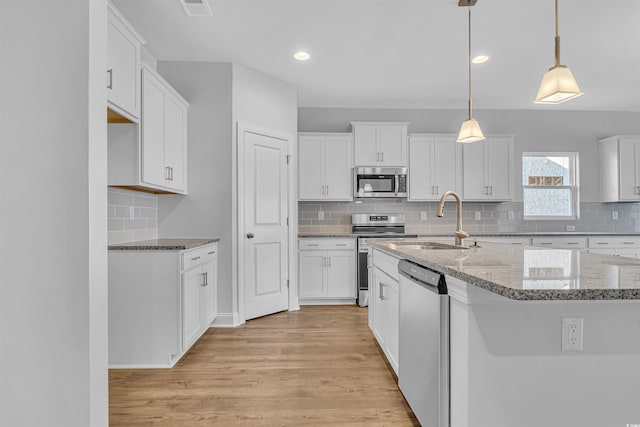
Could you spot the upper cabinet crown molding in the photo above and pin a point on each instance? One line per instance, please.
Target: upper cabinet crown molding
(380, 143)
(619, 158)
(123, 65)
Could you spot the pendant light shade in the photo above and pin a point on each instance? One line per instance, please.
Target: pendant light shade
(470, 130)
(558, 84)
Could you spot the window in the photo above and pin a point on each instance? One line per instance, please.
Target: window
(550, 185)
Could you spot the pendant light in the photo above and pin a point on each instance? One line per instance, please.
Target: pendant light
(558, 84)
(470, 130)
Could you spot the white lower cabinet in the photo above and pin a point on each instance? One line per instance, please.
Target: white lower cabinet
(628, 247)
(384, 302)
(160, 303)
(327, 269)
(560, 242)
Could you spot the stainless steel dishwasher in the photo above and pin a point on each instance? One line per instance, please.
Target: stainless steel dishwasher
(424, 343)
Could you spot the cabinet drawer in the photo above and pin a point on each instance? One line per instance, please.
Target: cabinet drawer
(614, 242)
(327, 243)
(201, 255)
(386, 263)
(560, 242)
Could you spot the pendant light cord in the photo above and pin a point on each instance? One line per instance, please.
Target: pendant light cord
(557, 40)
(469, 61)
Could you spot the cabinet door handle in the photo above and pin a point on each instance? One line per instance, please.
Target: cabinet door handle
(166, 169)
(382, 156)
(381, 292)
(491, 190)
(329, 259)
(195, 258)
(433, 190)
(204, 279)
(110, 85)
(437, 190)
(377, 157)
(322, 189)
(171, 172)
(327, 190)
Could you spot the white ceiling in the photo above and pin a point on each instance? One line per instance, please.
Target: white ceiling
(410, 53)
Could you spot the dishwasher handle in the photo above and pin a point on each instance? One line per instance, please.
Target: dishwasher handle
(429, 279)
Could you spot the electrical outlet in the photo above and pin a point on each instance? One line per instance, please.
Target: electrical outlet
(572, 333)
(571, 228)
(321, 215)
(614, 215)
(478, 216)
(132, 212)
(510, 215)
(423, 215)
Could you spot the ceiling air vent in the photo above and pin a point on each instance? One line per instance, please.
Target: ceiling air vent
(196, 7)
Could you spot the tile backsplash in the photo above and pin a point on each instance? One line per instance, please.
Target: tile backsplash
(132, 216)
(506, 217)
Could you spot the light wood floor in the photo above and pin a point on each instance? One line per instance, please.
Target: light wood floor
(317, 366)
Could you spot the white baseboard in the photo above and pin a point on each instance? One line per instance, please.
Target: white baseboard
(226, 320)
(327, 301)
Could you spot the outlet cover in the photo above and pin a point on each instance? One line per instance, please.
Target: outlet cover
(614, 215)
(321, 215)
(571, 228)
(478, 216)
(572, 333)
(423, 215)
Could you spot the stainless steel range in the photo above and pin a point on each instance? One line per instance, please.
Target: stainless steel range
(373, 226)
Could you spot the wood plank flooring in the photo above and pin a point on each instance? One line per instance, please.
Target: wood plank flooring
(316, 366)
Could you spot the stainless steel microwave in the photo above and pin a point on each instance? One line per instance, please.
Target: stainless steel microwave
(379, 182)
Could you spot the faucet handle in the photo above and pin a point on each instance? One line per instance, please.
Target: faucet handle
(462, 234)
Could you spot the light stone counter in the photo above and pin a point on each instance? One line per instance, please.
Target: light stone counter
(529, 273)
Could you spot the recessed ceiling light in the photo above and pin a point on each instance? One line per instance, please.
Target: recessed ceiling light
(480, 59)
(302, 56)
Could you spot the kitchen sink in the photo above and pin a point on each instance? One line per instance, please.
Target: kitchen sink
(427, 245)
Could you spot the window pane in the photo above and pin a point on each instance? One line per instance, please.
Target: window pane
(547, 202)
(538, 170)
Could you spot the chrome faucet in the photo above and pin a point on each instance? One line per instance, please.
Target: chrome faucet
(460, 235)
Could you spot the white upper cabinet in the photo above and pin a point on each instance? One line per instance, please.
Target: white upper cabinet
(151, 156)
(123, 65)
(163, 134)
(619, 169)
(325, 166)
(488, 169)
(435, 166)
(380, 144)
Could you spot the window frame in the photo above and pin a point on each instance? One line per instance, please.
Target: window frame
(574, 189)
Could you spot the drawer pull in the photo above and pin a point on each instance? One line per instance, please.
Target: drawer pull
(195, 258)
(313, 244)
(211, 253)
(546, 243)
(341, 244)
(603, 243)
(628, 243)
(573, 243)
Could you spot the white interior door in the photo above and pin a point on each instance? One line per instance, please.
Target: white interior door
(265, 225)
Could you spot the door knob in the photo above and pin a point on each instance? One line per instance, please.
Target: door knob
(250, 235)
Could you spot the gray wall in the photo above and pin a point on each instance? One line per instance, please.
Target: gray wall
(206, 210)
(536, 130)
(53, 227)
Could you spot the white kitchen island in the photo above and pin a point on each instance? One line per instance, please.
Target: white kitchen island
(507, 364)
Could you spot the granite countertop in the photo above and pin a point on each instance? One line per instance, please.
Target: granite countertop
(529, 273)
(162, 244)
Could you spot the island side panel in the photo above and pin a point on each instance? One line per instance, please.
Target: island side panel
(507, 367)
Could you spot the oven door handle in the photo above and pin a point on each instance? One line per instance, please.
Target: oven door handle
(397, 180)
